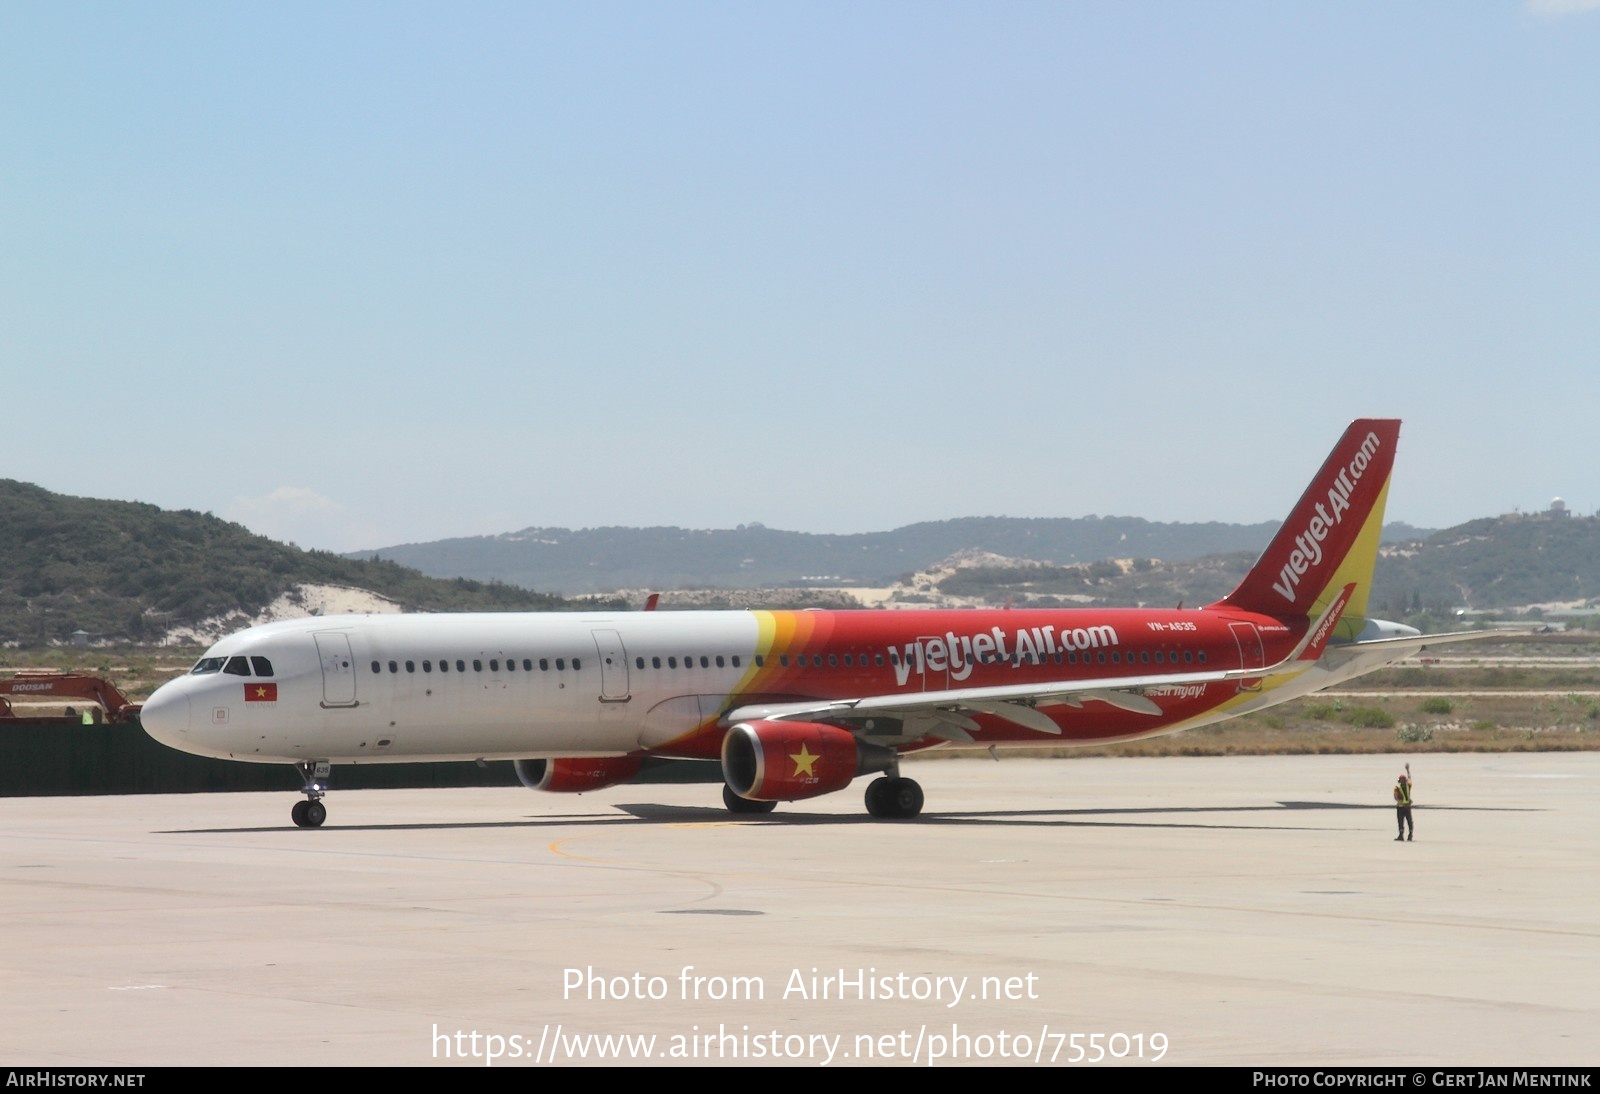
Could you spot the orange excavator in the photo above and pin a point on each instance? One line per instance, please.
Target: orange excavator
(53, 687)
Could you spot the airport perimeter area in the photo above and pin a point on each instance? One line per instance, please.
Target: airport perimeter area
(1221, 911)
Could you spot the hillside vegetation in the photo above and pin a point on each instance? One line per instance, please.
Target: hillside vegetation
(1498, 562)
(130, 571)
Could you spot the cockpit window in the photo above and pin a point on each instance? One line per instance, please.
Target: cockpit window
(237, 666)
(262, 666)
(207, 665)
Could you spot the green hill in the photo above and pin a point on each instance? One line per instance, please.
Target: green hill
(1496, 562)
(126, 570)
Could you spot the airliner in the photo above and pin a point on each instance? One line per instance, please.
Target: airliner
(799, 704)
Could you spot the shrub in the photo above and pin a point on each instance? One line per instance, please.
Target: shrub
(1369, 717)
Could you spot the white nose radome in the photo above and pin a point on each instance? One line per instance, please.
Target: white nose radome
(165, 717)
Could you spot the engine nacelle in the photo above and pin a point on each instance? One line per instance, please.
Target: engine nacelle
(574, 776)
(787, 761)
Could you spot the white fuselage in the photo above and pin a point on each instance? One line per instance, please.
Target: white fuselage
(388, 688)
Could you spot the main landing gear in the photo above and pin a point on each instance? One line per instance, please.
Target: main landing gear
(888, 798)
(736, 804)
(894, 798)
(311, 812)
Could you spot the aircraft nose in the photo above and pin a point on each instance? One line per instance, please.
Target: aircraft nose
(165, 716)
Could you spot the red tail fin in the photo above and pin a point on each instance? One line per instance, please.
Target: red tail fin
(1331, 538)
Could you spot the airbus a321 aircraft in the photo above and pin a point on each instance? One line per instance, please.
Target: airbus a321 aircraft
(798, 704)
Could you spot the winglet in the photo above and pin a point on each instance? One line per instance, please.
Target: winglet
(1330, 540)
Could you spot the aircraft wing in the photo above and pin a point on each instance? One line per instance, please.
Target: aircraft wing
(1016, 703)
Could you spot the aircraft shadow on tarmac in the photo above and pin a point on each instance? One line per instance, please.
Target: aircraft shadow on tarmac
(654, 813)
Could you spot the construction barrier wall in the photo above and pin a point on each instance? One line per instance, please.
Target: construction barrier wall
(122, 759)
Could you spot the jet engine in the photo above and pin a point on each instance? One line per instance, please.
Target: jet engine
(574, 776)
(787, 761)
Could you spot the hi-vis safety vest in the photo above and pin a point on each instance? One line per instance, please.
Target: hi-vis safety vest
(1402, 793)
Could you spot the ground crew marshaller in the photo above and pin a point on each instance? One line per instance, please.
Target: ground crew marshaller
(1402, 807)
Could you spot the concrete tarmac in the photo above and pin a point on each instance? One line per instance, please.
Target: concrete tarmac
(1241, 911)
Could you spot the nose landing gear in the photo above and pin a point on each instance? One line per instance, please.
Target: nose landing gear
(311, 812)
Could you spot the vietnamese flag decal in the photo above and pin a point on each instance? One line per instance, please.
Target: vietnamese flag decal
(261, 693)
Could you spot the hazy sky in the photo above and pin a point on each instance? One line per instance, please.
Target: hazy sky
(359, 274)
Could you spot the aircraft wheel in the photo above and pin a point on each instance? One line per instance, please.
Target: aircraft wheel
(894, 799)
(736, 804)
(316, 813)
(877, 798)
(905, 795)
(298, 814)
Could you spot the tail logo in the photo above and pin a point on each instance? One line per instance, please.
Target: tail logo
(1308, 553)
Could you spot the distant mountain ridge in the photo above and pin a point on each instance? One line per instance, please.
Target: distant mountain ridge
(594, 560)
(130, 571)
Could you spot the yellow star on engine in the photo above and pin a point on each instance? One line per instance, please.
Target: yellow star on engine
(804, 761)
